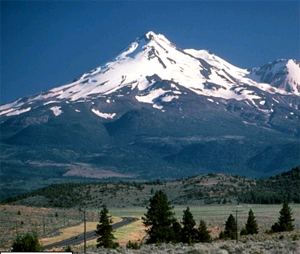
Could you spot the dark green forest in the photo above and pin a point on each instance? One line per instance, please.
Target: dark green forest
(213, 188)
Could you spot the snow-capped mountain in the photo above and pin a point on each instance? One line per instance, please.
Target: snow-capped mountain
(282, 74)
(152, 58)
(157, 106)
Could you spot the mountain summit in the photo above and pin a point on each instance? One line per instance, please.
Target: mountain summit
(153, 58)
(157, 111)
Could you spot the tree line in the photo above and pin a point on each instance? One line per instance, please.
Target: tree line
(162, 227)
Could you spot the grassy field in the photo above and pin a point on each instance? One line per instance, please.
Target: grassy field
(216, 215)
(58, 224)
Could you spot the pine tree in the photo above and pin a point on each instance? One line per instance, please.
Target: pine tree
(203, 233)
(230, 228)
(189, 233)
(27, 243)
(159, 219)
(177, 232)
(105, 237)
(285, 220)
(251, 227)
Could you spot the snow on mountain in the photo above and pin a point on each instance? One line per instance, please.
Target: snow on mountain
(56, 110)
(282, 74)
(152, 58)
(155, 111)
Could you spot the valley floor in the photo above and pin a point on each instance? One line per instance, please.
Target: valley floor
(55, 224)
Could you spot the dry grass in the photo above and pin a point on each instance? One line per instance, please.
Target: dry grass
(68, 223)
(51, 224)
(69, 232)
(134, 232)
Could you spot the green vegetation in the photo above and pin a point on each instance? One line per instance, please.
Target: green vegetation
(189, 233)
(28, 242)
(213, 188)
(230, 229)
(203, 235)
(164, 228)
(275, 189)
(68, 249)
(133, 245)
(251, 225)
(159, 219)
(105, 237)
(285, 220)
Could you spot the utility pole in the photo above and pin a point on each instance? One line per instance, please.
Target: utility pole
(44, 225)
(236, 216)
(64, 217)
(84, 223)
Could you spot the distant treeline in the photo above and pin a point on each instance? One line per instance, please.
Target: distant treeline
(228, 189)
(58, 195)
(275, 190)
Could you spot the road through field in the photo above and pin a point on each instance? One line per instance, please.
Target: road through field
(89, 235)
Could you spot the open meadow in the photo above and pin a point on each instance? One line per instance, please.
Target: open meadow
(54, 224)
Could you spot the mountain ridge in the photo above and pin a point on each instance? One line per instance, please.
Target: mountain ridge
(156, 111)
(227, 79)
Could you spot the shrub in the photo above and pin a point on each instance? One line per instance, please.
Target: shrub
(244, 231)
(68, 249)
(26, 243)
(133, 245)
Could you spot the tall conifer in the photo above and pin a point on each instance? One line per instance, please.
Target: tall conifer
(105, 237)
(189, 233)
(285, 220)
(159, 219)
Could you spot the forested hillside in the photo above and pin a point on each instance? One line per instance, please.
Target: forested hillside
(198, 190)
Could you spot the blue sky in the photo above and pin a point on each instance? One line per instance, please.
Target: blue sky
(45, 44)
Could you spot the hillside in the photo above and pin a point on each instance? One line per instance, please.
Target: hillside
(198, 190)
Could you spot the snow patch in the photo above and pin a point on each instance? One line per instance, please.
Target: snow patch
(56, 110)
(157, 106)
(169, 98)
(149, 98)
(262, 102)
(6, 111)
(50, 102)
(18, 112)
(103, 115)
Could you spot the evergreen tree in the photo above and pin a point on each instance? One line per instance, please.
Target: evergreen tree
(203, 233)
(159, 219)
(285, 220)
(27, 243)
(177, 232)
(189, 233)
(251, 227)
(230, 228)
(105, 237)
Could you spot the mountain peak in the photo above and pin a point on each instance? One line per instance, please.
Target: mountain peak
(150, 35)
(282, 74)
(153, 70)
